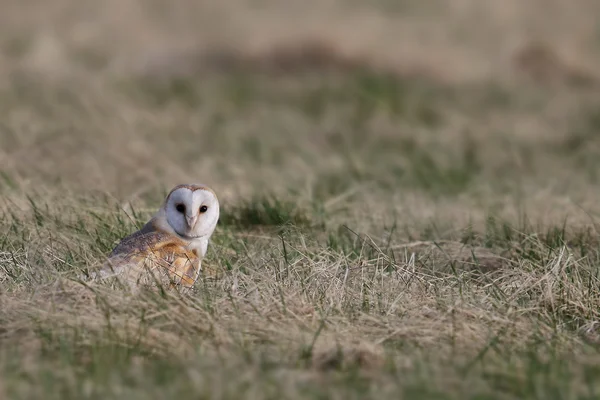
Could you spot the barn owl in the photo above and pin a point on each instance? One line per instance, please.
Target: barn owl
(170, 247)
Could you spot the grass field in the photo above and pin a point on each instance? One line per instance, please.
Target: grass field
(409, 198)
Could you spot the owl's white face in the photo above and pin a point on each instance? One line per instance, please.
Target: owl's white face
(192, 211)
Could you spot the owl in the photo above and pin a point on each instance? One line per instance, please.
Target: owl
(169, 248)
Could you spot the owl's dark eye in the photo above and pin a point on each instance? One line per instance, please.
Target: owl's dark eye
(203, 209)
(180, 208)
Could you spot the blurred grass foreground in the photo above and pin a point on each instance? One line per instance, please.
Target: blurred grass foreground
(409, 197)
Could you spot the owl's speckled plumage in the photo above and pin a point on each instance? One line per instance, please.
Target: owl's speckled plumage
(170, 247)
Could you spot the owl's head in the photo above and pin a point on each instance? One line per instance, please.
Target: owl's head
(192, 210)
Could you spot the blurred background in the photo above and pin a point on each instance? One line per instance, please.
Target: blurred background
(372, 159)
(453, 107)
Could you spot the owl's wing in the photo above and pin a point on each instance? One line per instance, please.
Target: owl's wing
(158, 251)
(138, 242)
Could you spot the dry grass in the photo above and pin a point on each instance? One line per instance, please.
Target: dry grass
(409, 198)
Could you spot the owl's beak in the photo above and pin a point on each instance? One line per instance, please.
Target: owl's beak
(191, 220)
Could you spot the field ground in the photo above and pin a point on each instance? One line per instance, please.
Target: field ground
(409, 198)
